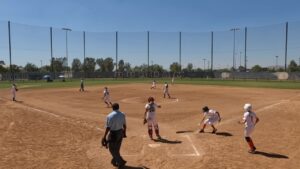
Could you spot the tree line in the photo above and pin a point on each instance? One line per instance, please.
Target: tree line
(90, 64)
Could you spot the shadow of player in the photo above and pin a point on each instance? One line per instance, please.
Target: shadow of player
(225, 134)
(184, 131)
(130, 167)
(271, 155)
(163, 140)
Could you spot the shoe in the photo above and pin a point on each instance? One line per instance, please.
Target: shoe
(214, 131)
(159, 137)
(201, 131)
(121, 166)
(114, 163)
(252, 151)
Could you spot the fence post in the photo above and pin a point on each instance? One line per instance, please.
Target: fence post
(116, 51)
(51, 51)
(212, 50)
(180, 51)
(12, 77)
(286, 44)
(245, 49)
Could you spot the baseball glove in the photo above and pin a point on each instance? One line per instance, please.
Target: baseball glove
(104, 142)
(145, 121)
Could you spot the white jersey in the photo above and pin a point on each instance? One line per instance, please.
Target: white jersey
(151, 108)
(250, 119)
(153, 84)
(106, 95)
(211, 117)
(166, 88)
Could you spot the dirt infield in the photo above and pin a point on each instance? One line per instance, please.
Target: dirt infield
(61, 128)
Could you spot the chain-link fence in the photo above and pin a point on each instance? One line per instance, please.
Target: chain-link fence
(27, 48)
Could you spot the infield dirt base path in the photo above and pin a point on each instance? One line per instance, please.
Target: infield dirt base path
(62, 128)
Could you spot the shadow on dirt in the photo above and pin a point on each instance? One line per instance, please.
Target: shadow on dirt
(184, 131)
(163, 140)
(271, 155)
(225, 134)
(130, 167)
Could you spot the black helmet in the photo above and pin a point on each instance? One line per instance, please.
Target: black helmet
(205, 109)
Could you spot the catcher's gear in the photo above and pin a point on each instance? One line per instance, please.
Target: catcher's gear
(104, 142)
(145, 121)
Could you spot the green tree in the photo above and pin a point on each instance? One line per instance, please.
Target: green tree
(127, 67)
(189, 67)
(89, 65)
(121, 66)
(175, 67)
(57, 64)
(100, 63)
(76, 65)
(293, 67)
(30, 67)
(3, 69)
(105, 65)
(256, 68)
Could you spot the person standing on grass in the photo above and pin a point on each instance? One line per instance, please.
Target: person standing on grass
(250, 120)
(114, 134)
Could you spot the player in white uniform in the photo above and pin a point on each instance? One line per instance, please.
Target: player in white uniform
(250, 120)
(166, 90)
(106, 97)
(211, 117)
(150, 117)
(14, 90)
(81, 86)
(153, 84)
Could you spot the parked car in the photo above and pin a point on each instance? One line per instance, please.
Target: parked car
(47, 78)
(62, 77)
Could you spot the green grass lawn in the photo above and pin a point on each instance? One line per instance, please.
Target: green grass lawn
(195, 81)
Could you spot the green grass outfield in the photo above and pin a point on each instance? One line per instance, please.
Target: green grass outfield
(194, 81)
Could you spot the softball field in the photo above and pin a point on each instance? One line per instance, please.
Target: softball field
(62, 128)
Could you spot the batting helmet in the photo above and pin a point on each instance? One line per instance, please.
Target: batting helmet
(247, 107)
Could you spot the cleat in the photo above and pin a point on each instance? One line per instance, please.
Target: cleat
(201, 131)
(214, 131)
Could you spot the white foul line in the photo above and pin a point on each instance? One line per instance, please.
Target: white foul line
(194, 147)
(52, 114)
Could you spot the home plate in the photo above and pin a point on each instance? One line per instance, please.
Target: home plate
(153, 145)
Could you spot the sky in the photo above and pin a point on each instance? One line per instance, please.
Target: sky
(164, 19)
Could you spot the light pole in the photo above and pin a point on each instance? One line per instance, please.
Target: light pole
(233, 57)
(276, 67)
(67, 57)
(241, 59)
(208, 64)
(204, 64)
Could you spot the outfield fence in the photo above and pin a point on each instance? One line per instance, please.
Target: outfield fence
(238, 49)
